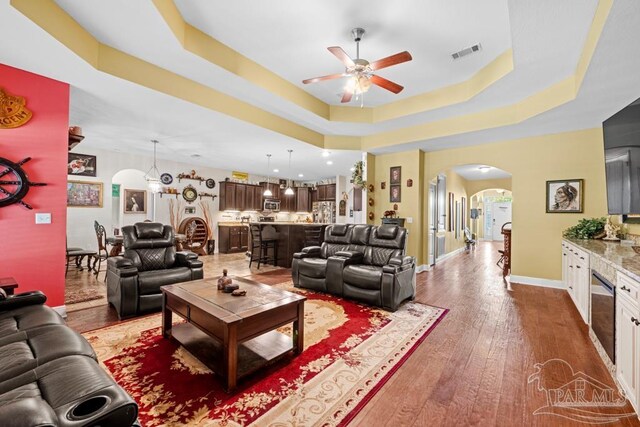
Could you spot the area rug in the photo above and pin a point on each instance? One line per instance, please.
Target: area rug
(351, 350)
(76, 296)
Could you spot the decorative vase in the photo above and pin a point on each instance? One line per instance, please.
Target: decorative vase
(224, 280)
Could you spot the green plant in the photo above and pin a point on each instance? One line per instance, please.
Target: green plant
(357, 175)
(586, 228)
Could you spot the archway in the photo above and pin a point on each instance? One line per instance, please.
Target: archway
(450, 202)
(131, 200)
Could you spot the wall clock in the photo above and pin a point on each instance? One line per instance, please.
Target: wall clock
(14, 183)
(189, 193)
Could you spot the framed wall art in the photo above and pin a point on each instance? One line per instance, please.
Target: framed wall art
(81, 165)
(451, 222)
(135, 201)
(395, 194)
(464, 212)
(565, 196)
(395, 175)
(84, 194)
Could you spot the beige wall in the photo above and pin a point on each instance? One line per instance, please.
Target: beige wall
(474, 187)
(412, 198)
(533, 161)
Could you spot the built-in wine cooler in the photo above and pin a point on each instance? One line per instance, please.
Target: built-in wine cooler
(603, 312)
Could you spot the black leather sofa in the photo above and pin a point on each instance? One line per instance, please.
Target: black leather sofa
(150, 261)
(361, 262)
(49, 375)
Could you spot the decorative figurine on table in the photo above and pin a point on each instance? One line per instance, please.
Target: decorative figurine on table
(611, 230)
(224, 280)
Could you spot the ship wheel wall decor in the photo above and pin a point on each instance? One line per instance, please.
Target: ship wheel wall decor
(14, 183)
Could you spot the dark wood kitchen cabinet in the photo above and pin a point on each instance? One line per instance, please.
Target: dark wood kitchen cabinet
(303, 199)
(327, 193)
(241, 195)
(233, 238)
(253, 198)
(287, 203)
(227, 195)
(235, 196)
(275, 190)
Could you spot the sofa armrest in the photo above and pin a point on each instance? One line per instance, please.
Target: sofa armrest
(122, 266)
(401, 260)
(22, 300)
(308, 252)
(398, 264)
(354, 256)
(188, 259)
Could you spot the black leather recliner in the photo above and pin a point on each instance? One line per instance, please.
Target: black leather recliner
(49, 375)
(150, 261)
(371, 268)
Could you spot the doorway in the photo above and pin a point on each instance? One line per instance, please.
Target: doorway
(501, 213)
(431, 234)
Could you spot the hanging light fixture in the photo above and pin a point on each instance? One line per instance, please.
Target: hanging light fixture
(289, 190)
(267, 192)
(153, 174)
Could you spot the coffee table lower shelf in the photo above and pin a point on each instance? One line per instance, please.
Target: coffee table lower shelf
(252, 354)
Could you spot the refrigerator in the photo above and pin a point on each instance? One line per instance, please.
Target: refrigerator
(324, 212)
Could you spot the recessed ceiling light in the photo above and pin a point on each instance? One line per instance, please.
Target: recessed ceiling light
(325, 154)
(329, 162)
(300, 175)
(195, 156)
(276, 170)
(484, 169)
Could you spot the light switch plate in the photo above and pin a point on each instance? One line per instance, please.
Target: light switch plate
(43, 218)
(409, 220)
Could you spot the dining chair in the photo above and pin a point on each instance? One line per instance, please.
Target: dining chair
(103, 253)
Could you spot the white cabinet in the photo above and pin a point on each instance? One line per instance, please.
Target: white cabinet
(627, 344)
(576, 277)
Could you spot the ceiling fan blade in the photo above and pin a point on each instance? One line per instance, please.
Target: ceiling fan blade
(346, 97)
(319, 79)
(342, 56)
(386, 84)
(398, 58)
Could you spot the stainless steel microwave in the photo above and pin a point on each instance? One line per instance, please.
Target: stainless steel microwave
(272, 205)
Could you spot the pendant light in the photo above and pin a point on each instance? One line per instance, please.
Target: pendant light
(289, 190)
(267, 192)
(153, 174)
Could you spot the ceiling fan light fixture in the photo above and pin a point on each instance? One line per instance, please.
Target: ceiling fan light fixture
(358, 84)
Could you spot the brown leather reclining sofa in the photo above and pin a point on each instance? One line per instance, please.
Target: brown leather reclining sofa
(49, 375)
(361, 262)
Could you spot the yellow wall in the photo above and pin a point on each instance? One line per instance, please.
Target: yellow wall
(412, 198)
(474, 187)
(533, 161)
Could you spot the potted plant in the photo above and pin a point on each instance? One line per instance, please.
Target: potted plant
(587, 229)
(357, 176)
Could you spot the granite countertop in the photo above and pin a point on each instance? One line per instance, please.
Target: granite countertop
(623, 258)
(231, 224)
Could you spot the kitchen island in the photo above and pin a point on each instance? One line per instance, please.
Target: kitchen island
(291, 238)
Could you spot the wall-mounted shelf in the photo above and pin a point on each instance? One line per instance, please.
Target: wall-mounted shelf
(172, 194)
(74, 140)
(197, 178)
(201, 195)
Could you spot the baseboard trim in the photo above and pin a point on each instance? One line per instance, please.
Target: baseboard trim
(62, 310)
(449, 255)
(423, 267)
(537, 281)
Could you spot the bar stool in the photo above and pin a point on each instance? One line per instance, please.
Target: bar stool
(260, 247)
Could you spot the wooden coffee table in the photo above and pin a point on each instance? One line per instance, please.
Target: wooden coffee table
(233, 336)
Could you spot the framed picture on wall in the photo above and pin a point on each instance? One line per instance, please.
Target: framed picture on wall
(464, 213)
(135, 201)
(81, 165)
(395, 175)
(451, 223)
(458, 220)
(565, 196)
(395, 194)
(84, 194)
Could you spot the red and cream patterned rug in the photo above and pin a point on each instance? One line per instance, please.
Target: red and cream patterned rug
(351, 350)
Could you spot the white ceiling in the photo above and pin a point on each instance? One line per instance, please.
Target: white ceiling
(290, 39)
(474, 173)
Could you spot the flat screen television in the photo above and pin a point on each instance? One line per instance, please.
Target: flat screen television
(622, 160)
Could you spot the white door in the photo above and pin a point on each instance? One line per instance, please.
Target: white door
(501, 212)
(432, 224)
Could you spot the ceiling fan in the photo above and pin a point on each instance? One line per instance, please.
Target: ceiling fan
(362, 72)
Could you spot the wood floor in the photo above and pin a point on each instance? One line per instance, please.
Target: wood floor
(474, 366)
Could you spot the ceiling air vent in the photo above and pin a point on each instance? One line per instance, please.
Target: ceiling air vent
(467, 51)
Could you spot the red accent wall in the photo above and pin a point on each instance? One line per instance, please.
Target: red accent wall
(35, 254)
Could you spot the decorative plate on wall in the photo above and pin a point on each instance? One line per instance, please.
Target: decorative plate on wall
(210, 183)
(166, 178)
(189, 193)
